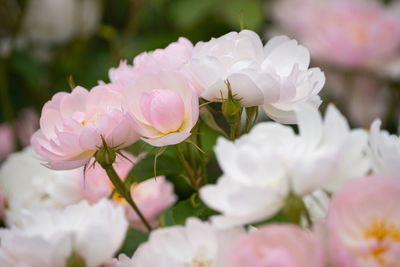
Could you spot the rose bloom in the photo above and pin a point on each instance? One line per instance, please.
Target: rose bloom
(71, 126)
(384, 150)
(275, 75)
(162, 107)
(195, 244)
(277, 245)
(262, 168)
(49, 22)
(364, 223)
(25, 183)
(349, 33)
(172, 58)
(151, 196)
(48, 237)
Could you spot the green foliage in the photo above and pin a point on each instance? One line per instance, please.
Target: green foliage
(191, 207)
(132, 241)
(30, 70)
(186, 14)
(166, 165)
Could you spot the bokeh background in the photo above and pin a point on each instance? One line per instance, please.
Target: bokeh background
(48, 45)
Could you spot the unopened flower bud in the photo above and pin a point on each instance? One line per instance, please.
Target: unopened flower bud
(231, 108)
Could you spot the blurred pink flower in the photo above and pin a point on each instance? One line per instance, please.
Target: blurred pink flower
(71, 126)
(351, 33)
(277, 245)
(151, 196)
(2, 205)
(362, 96)
(26, 125)
(97, 185)
(162, 107)
(172, 58)
(364, 223)
(7, 142)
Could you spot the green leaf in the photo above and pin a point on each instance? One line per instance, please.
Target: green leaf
(191, 207)
(187, 13)
(251, 10)
(28, 68)
(207, 117)
(166, 165)
(132, 241)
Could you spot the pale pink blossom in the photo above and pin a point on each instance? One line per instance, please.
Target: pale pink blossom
(96, 184)
(7, 140)
(172, 58)
(342, 32)
(364, 223)
(275, 75)
(274, 245)
(162, 107)
(151, 196)
(71, 126)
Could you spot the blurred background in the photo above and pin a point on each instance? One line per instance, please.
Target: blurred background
(48, 45)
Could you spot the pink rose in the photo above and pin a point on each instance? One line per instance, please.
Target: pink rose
(71, 126)
(151, 196)
(172, 58)
(274, 245)
(343, 32)
(162, 107)
(7, 142)
(364, 223)
(96, 184)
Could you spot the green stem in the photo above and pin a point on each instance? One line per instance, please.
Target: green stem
(190, 156)
(203, 160)
(239, 125)
(192, 162)
(232, 135)
(186, 166)
(122, 190)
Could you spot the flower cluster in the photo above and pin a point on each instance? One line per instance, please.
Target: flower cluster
(319, 193)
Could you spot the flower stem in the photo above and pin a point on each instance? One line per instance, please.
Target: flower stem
(122, 190)
(233, 128)
(186, 166)
(239, 125)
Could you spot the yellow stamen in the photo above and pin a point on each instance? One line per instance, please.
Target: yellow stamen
(381, 230)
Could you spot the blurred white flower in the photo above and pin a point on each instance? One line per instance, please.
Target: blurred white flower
(195, 244)
(317, 204)
(384, 150)
(48, 22)
(26, 182)
(276, 75)
(262, 168)
(47, 237)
